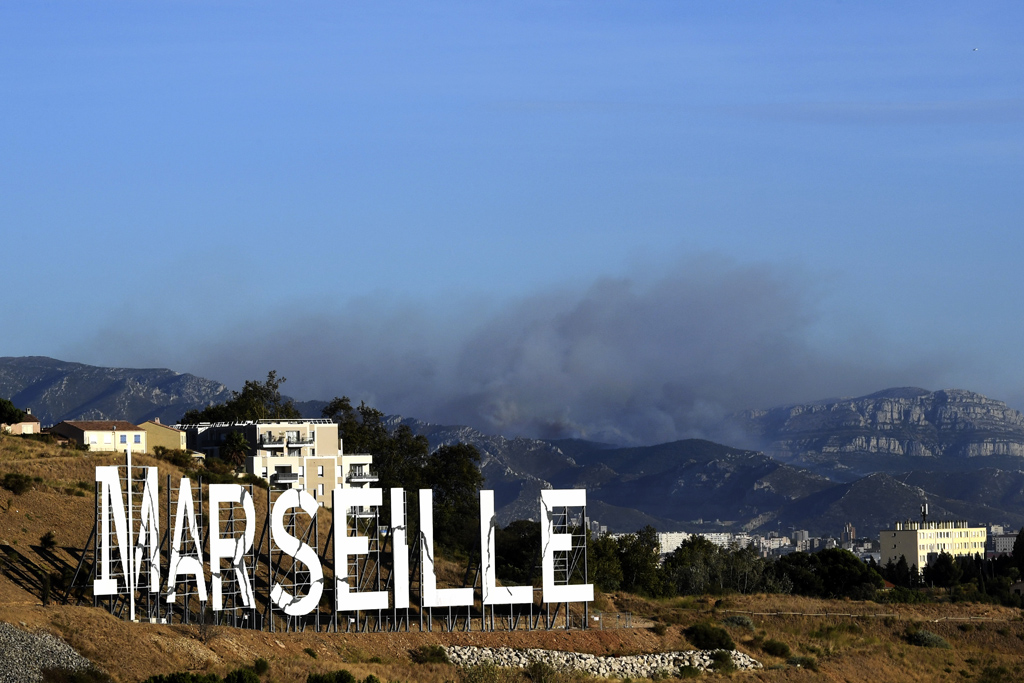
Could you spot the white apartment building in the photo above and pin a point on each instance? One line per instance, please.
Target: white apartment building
(921, 542)
(298, 454)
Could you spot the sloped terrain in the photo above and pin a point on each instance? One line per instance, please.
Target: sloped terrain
(56, 390)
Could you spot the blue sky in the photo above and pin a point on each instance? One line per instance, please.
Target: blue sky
(521, 205)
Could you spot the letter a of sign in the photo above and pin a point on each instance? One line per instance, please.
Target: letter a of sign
(186, 564)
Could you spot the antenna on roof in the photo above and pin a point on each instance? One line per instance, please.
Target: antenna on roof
(924, 512)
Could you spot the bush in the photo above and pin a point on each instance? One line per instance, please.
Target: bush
(184, 677)
(343, 676)
(776, 648)
(924, 638)
(242, 676)
(17, 484)
(310, 651)
(660, 629)
(48, 540)
(809, 663)
(429, 654)
(688, 672)
(708, 637)
(539, 672)
(721, 661)
(261, 666)
(739, 621)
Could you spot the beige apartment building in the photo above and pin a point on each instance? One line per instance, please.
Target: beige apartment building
(921, 542)
(299, 454)
(158, 434)
(103, 435)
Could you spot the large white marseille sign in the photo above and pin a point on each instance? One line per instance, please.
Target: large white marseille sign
(228, 553)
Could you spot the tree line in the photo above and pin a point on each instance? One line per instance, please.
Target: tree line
(401, 459)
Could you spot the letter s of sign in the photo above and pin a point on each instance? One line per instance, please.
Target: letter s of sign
(291, 546)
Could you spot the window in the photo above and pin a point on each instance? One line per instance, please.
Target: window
(106, 438)
(320, 489)
(138, 438)
(92, 439)
(264, 472)
(302, 471)
(320, 471)
(124, 438)
(337, 472)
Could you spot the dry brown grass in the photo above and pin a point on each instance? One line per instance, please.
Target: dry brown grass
(863, 648)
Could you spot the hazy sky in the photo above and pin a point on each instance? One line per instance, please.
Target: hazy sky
(615, 219)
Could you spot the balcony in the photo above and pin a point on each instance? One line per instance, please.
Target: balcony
(363, 476)
(269, 441)
(284, 477)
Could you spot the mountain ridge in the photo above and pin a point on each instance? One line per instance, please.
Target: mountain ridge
(868, 460)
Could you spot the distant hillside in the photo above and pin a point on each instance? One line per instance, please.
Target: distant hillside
(869, 461)
(57, 390)
(891, 431)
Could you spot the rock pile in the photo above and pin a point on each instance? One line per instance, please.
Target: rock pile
(633, 666)
(24, 655)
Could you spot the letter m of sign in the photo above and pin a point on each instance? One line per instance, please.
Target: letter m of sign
(112, 511)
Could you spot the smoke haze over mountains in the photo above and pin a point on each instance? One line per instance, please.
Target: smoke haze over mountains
(639, 359)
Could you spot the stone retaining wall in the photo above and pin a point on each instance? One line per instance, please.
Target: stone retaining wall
(633, 666)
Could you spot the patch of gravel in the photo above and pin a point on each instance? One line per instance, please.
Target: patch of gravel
(632, 666)
(24, 655)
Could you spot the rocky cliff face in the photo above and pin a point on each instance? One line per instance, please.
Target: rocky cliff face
(56, 390)
(899, 424)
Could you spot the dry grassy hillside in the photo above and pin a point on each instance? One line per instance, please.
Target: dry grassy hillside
(986, 642)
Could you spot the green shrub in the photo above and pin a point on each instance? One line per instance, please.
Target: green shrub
(809, 663)
(17, 484)
(184, 677)
(721, 661)
(688, 672)
(261, 666)
(924, 638)
(343, 676)
(541, 672)
(775, 648)
(429, 654)
(660, 629)
(739, 621)
(708, 637)
(48, 540)
(310, 651)
(242, 676)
